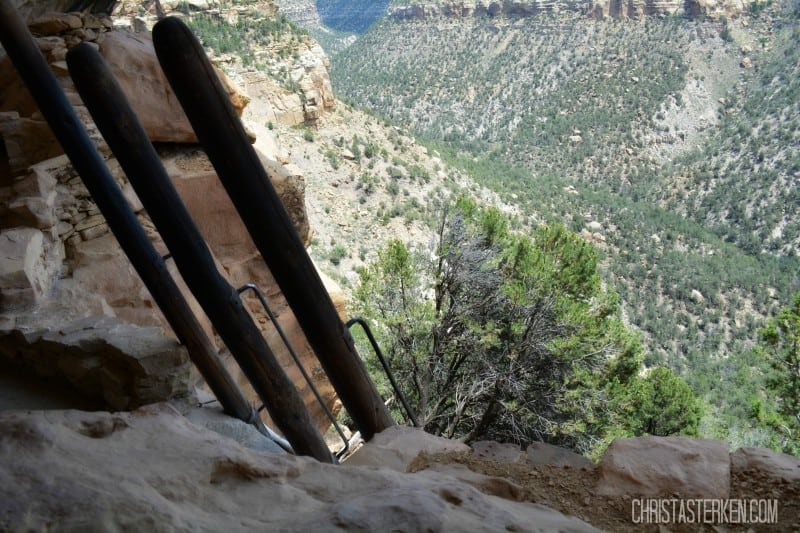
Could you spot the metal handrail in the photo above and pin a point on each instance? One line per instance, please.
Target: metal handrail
(377, 349)
(253, 287)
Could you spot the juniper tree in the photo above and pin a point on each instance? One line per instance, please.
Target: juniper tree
(500, 335)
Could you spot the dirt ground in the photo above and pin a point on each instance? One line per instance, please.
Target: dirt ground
(571, 491)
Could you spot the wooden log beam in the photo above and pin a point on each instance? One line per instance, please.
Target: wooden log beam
(225, 141)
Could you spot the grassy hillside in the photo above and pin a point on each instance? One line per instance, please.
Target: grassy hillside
(650, 135)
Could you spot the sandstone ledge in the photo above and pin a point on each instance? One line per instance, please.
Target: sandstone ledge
(153, 469)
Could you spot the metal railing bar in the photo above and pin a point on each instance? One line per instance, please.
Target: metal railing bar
(377, 349)
(253, 287)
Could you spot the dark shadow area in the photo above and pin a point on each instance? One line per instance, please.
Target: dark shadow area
(6, 179)
(21, 388)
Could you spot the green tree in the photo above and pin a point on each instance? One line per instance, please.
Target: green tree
(661, 404)
(503, 336)
(780, 347)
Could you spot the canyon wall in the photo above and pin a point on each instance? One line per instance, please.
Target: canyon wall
(618, 9)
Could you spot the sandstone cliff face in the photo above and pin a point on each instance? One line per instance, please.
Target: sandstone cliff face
(618, 9)
(308, 74)
(302, 12)
(292, 73)
(70, 303)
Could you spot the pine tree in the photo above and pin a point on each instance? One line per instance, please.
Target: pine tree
(500, 335)
(781, 348)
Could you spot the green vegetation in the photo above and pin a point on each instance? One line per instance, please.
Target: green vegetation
(582, 124)
(504, 336)
(338, 253)
(251, 35)
(778, 411)
(661, 404)
(743, 182)
(243, 35)
(578, 122)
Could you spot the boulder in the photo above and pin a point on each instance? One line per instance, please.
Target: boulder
(133, 61)
(25, 276)
(780, 467)
(541, 453)
(594, 226)
(396, 448)
(53, 23)
(27, 141)
(671, 466)
(122, 365)
(503, 452)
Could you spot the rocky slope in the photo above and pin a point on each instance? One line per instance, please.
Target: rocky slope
(659, 135)
(353, 18)
(302, 12)
(74, 294)
(349, 181)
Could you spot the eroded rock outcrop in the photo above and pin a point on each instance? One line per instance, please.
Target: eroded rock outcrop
(652, 466)
(293, 72)
(309, 75)
(132, 60)
(126, 366)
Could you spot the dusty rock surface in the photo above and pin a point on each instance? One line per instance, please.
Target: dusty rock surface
(689, 468)
(154, 470)
(574, 490)
(397, 447)
(125, 365)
